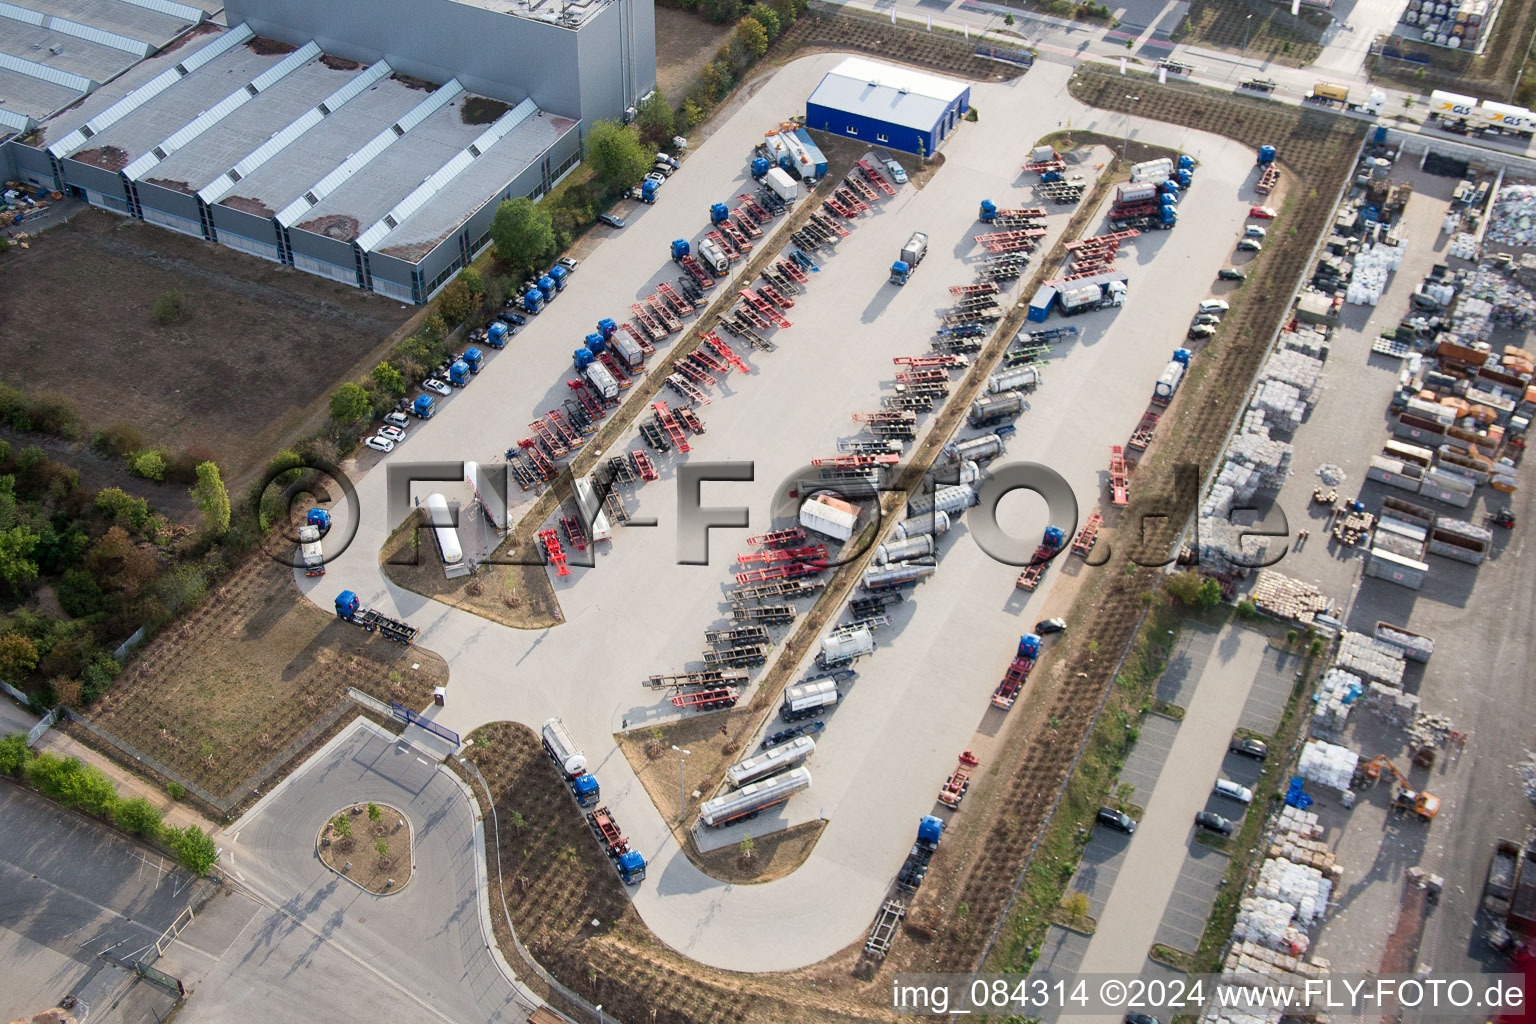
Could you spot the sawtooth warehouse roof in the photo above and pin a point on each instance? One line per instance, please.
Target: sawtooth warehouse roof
(352, 152)
(54, 51)
(886, 93)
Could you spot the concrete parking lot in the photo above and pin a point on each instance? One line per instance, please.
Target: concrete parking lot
(70, 890)
(796, 404)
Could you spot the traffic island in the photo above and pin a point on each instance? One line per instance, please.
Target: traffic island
(370, 845)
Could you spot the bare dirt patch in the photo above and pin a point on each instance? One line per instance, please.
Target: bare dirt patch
(519, 596)
(1271, 34)
(381, 870)
(248, 366)
(772, 856)
(222, 692)
(685, 42)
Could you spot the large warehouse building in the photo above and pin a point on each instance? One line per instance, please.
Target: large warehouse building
(897, 108)
(367, 148)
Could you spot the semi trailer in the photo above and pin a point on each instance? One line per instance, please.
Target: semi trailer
(571, 761)
(752, 799)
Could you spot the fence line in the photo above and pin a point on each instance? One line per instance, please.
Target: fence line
(371, 703)
(123, 746)
(44, 724)
(15, 694)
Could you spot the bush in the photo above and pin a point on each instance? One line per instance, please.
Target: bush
(79, 594)
(170, 307)
(18, 657)
(14, 754)
(1247, 609)
(117, 440)
(138, 816)
(455, 302)
(96, 678)
(72, 783)
(193, 848)
(122, 509)
(473, 281)
(176, 790)
(43, 414)
(148, 464)
(524, 234)
(768, 18)
(389, 380)
(349, 403)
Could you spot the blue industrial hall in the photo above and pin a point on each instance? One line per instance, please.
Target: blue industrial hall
(885, 105)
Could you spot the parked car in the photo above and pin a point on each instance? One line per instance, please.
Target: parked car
(437, 387)
(898, 174)
(567, 263)
(665, 170)
(380, 444)
(1262, 212)
(656, 176)
(1231, 274)
(1233, 791)
(397, 419)
(1250, 245)
(1213, 306)
(1213, 822)
(1045, 627)
(1207, 318)
(1249, 747)
(611, 220)
(394, 434)
(666, 158)
(510, 315)
(1255, 231)
(1117, 820)
(1199, 331)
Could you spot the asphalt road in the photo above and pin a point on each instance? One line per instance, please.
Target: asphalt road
(424, 946)
(69, 890)
(965, 622)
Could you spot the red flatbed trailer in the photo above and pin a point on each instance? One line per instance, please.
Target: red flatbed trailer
(1011, 241)
(723, 350)
(764, 308)
(1039, 562)
(731, 252)
(875, 178)
(696, 271)
(546, 434)
(556, 553)
(1087, 536)
(1119, 478)
(670, 425)
(792, 270)
(647, 322)
(774, 556)
(1268, 180)
(778, 538)
(680, 304)
(1142, 435)
(775, 296)
(746, 223)
(574, 533)
(754, 208)
(1007, 691)
(959, 781)
(707, 700)
(861, 186)
(642, 464)
(607, 831)
(589, 402)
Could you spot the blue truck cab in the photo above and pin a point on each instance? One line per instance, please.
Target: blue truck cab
(607, 328)
(718, 213)
(930, 830)
(679, 248)
(347, 605)
(533, 301)
(988, 211)
(585, 789)
(474, 358)
(458, 373)
(900, 271)
(648, 190)
(496, 334)
(424, 407)
(760, 166)
(558, 274)
(1054, 536)
(318, 517)
(631, 867)
(1029, 646)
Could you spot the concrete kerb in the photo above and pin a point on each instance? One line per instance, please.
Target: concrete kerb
(410, 836)
(358, 724)
(483, 876)
(483, 891)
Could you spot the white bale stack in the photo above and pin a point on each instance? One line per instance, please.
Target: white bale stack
(1337, 690)
(1295, 824)
(1302, 887)
(1463, 246)
(1373, 266)
(1370, 658)
(1327, 764)
(1268, 922)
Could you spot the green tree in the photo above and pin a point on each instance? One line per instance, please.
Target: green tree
(176, 790)
(752, 37)
(691, 115)
(1209, 594)
(1008, 19)
(524, 233)
(18, 570)
(349, 403)
(768, 18)
(193, 848)
(381, 847)
(138, 816)
(18, 657)
(1076, 905)
(149, 464)
(14, 754)
(1185, 586)
(375, 813)
(455, 302)
(342, 826)
(654, 120)
(518, 821)
(473, 281)
(720, 12)
(434, 327)
(170, 307)
(616, 155)
(212, 499)
(122, 509)
(390, 380)
(746, 846)
(715, 78)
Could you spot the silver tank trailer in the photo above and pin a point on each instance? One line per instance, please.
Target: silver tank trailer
(904, 550)
(936, 524)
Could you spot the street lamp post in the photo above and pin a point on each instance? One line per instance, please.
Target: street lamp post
(1246, 23)
(600, 1011)
(682, 786)
(1125, 144)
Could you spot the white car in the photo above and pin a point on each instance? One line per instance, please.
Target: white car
(380, 444)
(390, 433)
(1232, 791)
(897, 173)
(1214, 306)
(437, 387)
(656, 176)
(397, 419)
(1254, 231)
(566, 262)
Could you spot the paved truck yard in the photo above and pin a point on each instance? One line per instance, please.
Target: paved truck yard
(1364, 781)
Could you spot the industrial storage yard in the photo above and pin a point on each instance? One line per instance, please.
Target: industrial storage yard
(933, 533)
